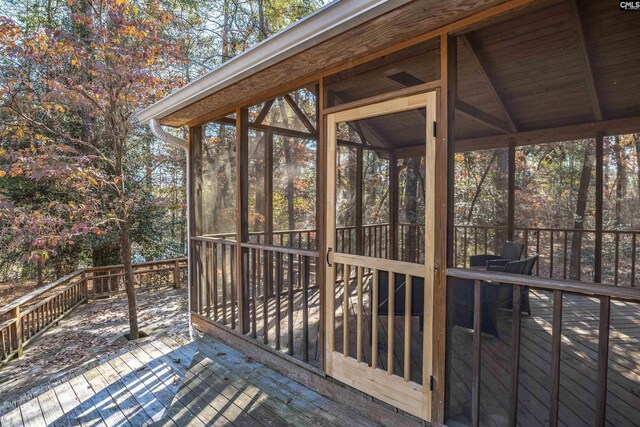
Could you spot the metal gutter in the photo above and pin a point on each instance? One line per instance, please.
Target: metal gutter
(325, 23)
(183, 144)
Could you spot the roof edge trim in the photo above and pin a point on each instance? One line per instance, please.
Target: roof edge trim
(325, 23)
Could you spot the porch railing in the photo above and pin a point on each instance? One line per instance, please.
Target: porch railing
(31, 315)
(561, 395)
(283, 296)
(565, 253)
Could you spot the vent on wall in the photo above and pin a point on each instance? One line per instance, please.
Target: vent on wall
(404, 79)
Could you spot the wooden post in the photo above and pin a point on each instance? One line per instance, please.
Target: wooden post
(511, 197)
(176, 274)
(597, 268)
(268, 216)
(195, 208)
(17, 329)
(242, 228)
(445, 138)
(84, 288)
(321, 243)
(359, 207)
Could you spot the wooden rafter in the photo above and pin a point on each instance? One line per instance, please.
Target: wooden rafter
(490, 83)
(359, 126)
(268, 128)
(480, 116)
(584, 54)
(265, 110)
(301, 115)
(542, 136)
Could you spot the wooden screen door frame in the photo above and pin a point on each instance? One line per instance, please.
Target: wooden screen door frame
(400, 392)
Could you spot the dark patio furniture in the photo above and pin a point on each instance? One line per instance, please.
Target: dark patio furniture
(464, 300)
(417, 295)
(511, 251)
(505, 293)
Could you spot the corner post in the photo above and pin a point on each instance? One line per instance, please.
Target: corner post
(242, 228)
(321, 220)
(195, 207)
(443, 241)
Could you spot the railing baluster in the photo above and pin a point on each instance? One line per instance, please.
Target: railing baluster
(208, 277)
(254, 288)
(515, 355)
(564, 267)
(290, 305)
(551, 251)
(305, 309)
(359, 315)
(374, 321)
(633, 259)
(215, 282)
(232, 281)
(407, 327)
(477, 346)
(346, 274)
(265, 297)
(556, 341)
(603, 359)
(390, 320)
(278, 284)
(616, 257)
(224, 283)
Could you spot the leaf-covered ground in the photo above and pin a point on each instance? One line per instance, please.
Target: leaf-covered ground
(90, 333)
(14, 289)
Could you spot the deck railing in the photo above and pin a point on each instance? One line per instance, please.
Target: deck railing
(555, 246)
(31, 315)
(282, 288)
(607, 300)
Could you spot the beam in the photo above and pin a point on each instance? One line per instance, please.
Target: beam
(473, 113)
(584, 53)
(543, 136)
(490, 83)
(266, 128)
(264, 111)
(301, 115)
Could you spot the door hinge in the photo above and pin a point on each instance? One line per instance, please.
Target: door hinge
(431, 383)
(435, 129)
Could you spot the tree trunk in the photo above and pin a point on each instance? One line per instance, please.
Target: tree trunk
(479, 187)
(502, 186)
(411, 207)
(125, 241)
(620, 179)
(581, 207)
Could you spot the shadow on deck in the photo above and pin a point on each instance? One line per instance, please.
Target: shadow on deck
(578, 366)
(176, 382)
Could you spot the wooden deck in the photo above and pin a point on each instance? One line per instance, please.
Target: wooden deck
(177, 382)
(578, 366)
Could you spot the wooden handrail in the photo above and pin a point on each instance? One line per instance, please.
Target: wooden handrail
(31, 295)
(583, 288)
(281, 249)
(26, 313)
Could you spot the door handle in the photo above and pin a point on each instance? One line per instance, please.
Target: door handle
(328, 252)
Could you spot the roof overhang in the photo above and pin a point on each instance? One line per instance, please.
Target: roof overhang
(327, 22)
